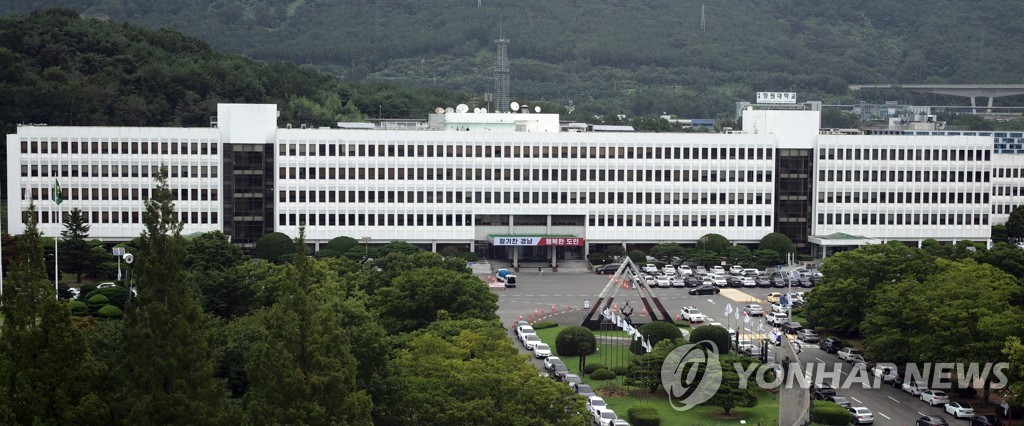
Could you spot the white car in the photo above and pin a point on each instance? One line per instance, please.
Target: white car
(736, 270)
(934, 397)
(595, 403)
(753, 310)
(523, 330)
(776, 318)
(847, 353)
(960, 409)
(550, 362)
(542, 351)
(669, 270)
(861, 415)
(914, 388)
(650, 268)
(691, 314)
(663, 281)
(777, 308)
(749, 282)
(106, 285)
(530, 341)
(685, 270)
(719, 280)
(605, 417)
(718, 270)
(751, 272)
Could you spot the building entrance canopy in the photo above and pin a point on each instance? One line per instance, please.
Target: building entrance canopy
(535, 240)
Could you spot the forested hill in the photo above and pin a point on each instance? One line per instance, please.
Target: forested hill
(631, 56)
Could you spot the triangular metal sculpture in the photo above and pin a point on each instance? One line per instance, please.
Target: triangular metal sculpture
(630, 274)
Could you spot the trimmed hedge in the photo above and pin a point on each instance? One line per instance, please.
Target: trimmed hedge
(78, 307)
(655, 331)
(620, 370)
(592, 367)
(109, 311)
(602, 374)
(540, 325)
(643, 415)
(829, 413)
(570, 339)
(718, 335)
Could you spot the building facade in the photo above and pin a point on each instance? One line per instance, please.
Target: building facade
(512, 186)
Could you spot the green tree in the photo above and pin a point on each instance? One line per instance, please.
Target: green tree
(345, 246)
(572, 341)
(665, 252)
(211, 251)
(213, 263)
(303, 371)
(168, 361)
(655, 331)
(1000, 234)
(415, 297)
(75, 254)
(779, 242)
(766, 257)
(272, 247)
(1004, 256)
(714, 333)
(46, 376)
(1015, 224)
(614, 251)
(730, 395)
(396, 247)
(737, 255)
(638, 257)
(714, 243)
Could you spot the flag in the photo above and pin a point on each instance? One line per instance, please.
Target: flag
(728, 309)
(760, 325)
(737, 315)
(647, 345)
(58, 196)
(746, 318)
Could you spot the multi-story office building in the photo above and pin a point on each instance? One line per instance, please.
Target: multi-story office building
(518, 186)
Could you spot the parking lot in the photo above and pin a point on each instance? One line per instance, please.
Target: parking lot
(551, 295)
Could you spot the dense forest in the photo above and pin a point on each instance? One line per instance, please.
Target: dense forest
(613, 56)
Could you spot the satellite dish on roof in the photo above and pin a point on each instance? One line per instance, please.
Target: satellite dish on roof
(449, 110)
(514, 106)
(439, 110)
(476, 110)
(461, 108)
(536, 109)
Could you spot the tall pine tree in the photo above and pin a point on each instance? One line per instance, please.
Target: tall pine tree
(45, 366)
(75, 253)
(169, 361)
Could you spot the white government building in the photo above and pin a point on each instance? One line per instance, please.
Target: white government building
(524, 186)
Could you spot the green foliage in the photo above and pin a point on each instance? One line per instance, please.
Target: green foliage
(75, 253)
(1000, 234)
(109, 311)
(665, 252)
(620, 370)
(614, 251)
(400, 247)
(592, 367)
(539, 325)
(602, 374)
(643, 415)
(714, 243)
(78, 307)
(717, 334)
(778, 242)
(645, 370)
(116, 295)
(574, 341)
(730, 395)
(273, 246)
(211, 251)
(638, 257)
(829, 413)
(766, 258)
(655, 331)
(737, 255)
(414, 298)
(85, 289)
(1015, 224)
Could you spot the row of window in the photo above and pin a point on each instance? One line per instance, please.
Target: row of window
(540, 175)
(902, 219)
(901, 197)
(489, 150)
(1003, 208)
(133, 194)
(676, 220)
(123, 146)
(901, 176)
(362, 219)
(1000, 172)
(96, 170)
(485, 197)
(134, 217)
(1007, 191)
(911, 154)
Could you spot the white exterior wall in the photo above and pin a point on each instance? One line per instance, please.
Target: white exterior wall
(1007, 185)
(870, 196)
(80, 170)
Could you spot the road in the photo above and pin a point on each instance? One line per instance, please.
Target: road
(552, 295)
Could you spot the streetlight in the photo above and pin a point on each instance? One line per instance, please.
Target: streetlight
(366, 246)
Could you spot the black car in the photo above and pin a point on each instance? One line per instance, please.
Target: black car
(560, 371)
(791, 327)
(839, 400)
(986, 421)
(806, 282)
(931, 421)
(693, 281)
(822, 390)
(733, 281)
(831, 345)
(607, 269)
(705, 289)
(778, 282)
(763, 281)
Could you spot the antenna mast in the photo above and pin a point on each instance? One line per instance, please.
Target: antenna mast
(501, 73)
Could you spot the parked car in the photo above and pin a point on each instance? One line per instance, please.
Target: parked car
(584, 390)
(559, 371)
(663, 281)
(736, 270)
(595, 403)
(704, 289)
(530, 341)
(885, 372)
(733, 281)
(847, 353)
(678, 282)
(718, 280)
(751, 272)
(959, 409)
(753, 310)
(935, 397)
(691, 314)
(791, 327)
(763, 281)
(822, 390)
(718, 270)
(839, 400)
(987, 420)
(779, 282)
(805, 282)
(541, 351)
(549, 362)
(749, 282)
(693, 281)
(776, 318)
(650, 268)
(106, 285)
(523, 330)
(700, 270)
(605, 417)
(931, 421)
(914, 388)
(684, 270)
(669, 270)
(807, 336)
(607, 269)
(861, 416)
(572, 379)
(831, 345)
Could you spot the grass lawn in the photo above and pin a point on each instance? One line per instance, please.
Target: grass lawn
(611, 355)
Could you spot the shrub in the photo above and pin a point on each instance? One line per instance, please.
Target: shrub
(274, 245)
(97, 300)
(655, 331)
(592, 367)
(116, 295)
(829, 413)
(85, 289)
(78, 307)
(109, 311)
(571, 339)
(620, 370)
(598, 258)
(643, 415)
(602, 374)
(717, 334)
(540, 325)
(638, 257)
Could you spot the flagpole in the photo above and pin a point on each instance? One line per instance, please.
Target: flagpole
(56, 256)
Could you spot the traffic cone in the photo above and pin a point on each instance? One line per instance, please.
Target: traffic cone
(616, 308)
(520, 317)
(679, 317)
(553, 309)
(490, 279)
(643, 312)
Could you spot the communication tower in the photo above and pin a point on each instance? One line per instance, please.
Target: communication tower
(501, 73)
